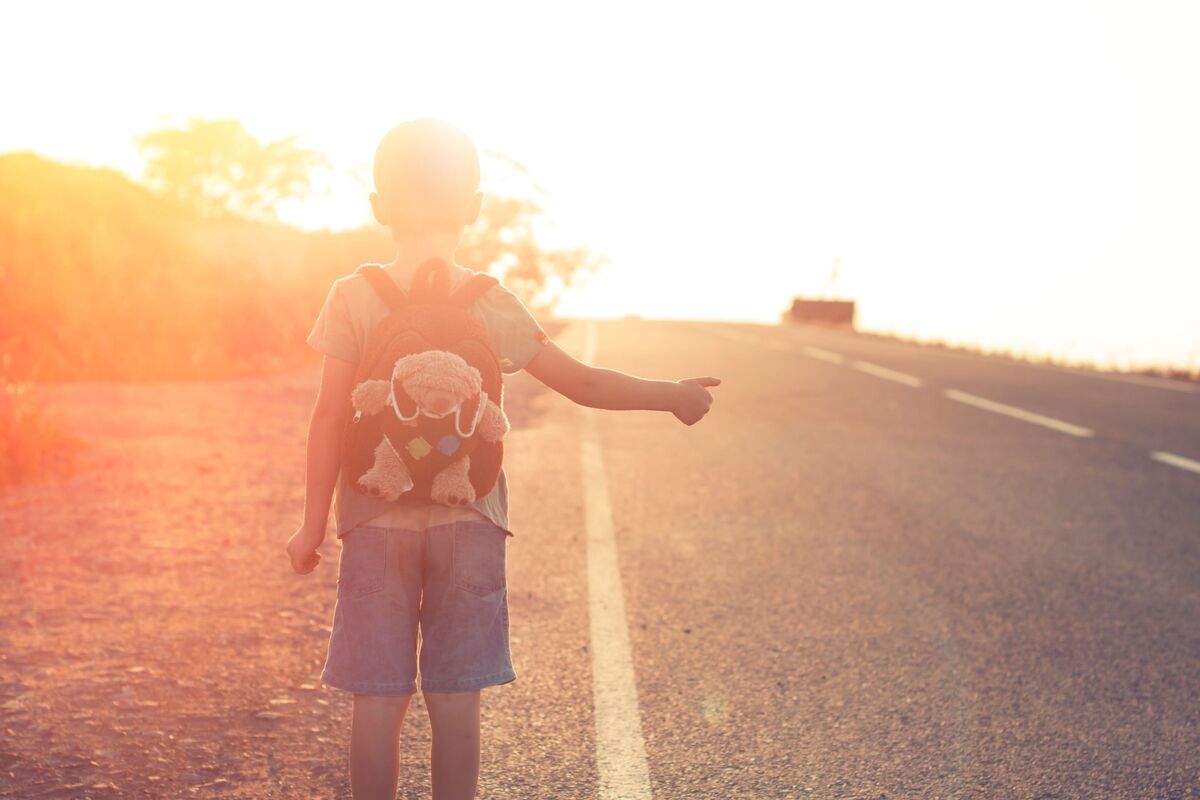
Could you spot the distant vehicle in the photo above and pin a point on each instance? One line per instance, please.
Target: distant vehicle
(821, 312)
(824, 310)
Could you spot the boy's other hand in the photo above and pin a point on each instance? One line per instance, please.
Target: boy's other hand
(302, 549)
(694, 399)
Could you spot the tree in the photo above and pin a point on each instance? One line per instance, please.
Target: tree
(507, 238)
(219, 168)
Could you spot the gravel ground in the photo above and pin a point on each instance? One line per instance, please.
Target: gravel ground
(154, 643)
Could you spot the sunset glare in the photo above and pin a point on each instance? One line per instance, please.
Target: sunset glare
(621, 400)
(1019, 176)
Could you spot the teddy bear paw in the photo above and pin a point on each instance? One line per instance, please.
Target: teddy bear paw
(452, 492)
(388, 487)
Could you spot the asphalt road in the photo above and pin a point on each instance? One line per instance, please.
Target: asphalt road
(847, 583)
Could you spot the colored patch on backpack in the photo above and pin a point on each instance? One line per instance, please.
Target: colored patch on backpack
(418, 447)
(448, 445)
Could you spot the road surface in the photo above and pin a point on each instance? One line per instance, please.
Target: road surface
(874, 570)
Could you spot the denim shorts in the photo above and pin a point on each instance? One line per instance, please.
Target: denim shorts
(445, 582)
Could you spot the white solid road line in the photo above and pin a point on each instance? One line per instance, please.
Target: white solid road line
(823, 355)
(1176, 461)
(620, 748)
(1018, 413)
(888, 374)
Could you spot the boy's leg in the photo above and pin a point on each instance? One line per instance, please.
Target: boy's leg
(375, 745)
(454, 717)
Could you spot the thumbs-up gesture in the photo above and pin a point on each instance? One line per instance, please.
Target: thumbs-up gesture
(694, 399)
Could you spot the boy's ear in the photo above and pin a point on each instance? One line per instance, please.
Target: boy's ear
(473, 209)
(378, 210)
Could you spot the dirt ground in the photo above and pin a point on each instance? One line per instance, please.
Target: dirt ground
(153, 640)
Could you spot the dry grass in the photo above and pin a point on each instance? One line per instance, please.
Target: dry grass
(103, 280)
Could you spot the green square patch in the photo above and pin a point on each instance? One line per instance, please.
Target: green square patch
(418, 447)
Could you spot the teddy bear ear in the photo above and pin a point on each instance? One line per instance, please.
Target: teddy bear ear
(468, 414)
(406, 407)
(370, 397)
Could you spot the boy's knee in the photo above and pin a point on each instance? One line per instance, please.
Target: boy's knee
(381, 705)
(452, 704)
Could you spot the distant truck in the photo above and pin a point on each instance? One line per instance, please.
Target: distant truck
(838, 313)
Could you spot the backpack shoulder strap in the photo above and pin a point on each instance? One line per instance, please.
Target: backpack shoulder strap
(465, 295)
(391, 294)
(431, 282)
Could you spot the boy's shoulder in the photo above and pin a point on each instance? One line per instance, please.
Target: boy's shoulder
(350, 286)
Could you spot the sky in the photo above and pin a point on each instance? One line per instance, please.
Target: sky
(1018, 176)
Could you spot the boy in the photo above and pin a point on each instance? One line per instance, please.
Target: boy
(432, 567)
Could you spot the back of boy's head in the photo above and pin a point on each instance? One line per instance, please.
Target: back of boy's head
(426, 177)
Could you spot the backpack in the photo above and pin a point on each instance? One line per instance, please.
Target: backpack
(427, 422)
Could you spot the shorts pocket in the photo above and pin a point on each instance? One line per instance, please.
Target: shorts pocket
(363, 564)
(479, 557)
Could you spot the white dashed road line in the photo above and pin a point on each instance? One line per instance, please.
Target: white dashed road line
(973, 400)
(1176, 461)
(1018, 413)
(737, 336)
(824, 355)
(620, 748)
(888, 374)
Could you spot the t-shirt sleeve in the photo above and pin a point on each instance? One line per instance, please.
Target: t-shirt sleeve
(517, 335)
(333, 332)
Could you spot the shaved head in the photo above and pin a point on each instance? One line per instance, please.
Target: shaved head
(426, 176)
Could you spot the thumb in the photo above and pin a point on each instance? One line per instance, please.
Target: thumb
(706, 381)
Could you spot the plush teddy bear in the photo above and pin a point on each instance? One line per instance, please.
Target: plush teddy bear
(436, 395)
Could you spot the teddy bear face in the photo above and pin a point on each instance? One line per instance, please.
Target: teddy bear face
(438, 381)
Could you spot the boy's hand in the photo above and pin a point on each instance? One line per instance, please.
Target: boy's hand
(694, 399)
(302, 549)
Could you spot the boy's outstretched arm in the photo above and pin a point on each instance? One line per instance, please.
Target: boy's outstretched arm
(596, 387)
(323, 461)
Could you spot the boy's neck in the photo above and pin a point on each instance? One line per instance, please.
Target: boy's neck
(416, 249)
